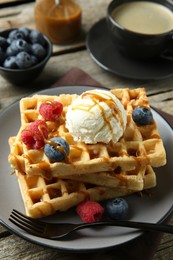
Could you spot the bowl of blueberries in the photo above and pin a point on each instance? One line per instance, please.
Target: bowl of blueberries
(24, 53)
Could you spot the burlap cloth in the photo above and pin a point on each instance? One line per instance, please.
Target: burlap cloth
(141, 248)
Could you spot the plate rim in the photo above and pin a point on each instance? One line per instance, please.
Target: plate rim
(40, 243)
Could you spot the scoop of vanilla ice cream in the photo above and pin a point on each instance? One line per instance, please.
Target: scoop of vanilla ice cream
(96, 116)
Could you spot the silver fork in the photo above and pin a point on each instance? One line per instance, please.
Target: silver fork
(60, 230)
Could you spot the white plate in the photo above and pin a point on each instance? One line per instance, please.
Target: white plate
(148, 208)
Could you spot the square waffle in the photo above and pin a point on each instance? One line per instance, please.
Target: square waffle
(44, 197)
(130, 180)
(139, 146)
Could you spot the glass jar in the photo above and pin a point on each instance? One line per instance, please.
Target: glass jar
(59, 20)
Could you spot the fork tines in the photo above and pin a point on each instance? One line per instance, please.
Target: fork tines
(32, 226)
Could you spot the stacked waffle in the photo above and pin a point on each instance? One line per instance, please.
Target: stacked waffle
(93, 171)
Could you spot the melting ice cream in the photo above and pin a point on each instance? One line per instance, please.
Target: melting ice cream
(96, 116)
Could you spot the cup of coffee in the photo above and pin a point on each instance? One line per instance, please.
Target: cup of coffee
(142, 29)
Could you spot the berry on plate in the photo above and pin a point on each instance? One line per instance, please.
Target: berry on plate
(142, 116)
(90, 211)
(51, 111)
(35, 134)
(56, 149)
(117, 208)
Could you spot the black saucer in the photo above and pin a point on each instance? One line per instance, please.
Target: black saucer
(106, 55)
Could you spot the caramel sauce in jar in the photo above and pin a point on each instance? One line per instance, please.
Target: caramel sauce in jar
(61, 23)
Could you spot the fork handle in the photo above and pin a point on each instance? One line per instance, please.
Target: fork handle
(130, 224)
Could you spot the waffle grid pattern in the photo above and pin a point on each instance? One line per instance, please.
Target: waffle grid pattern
(139, 146)
(45, 197)
(96, 172)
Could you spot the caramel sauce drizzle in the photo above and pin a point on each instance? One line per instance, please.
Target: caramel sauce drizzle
(96, 98)
(57, 147)
(44, 166)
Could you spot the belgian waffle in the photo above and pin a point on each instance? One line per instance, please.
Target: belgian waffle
(44, 197)
(130, 180)
(139, 146)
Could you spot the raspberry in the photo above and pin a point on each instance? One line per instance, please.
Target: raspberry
(51, 111)
(34, 134)
(90, 211)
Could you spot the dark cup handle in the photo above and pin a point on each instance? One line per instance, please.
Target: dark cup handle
(168, 52)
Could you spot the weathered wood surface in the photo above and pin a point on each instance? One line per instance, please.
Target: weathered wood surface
(160, 92)
(65, 57)
(23, 15)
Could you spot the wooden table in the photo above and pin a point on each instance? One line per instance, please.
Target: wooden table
(15, 13)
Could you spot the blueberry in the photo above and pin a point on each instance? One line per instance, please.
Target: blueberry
(15, 35)
(57, 149)
(34, 60)
(3, 42)
(38, 50)
(10, 63)
(142, 116)
(26, 31)
(23, 60)
(117, 208)
(37, 37)
(10, 52)
(18, 46)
